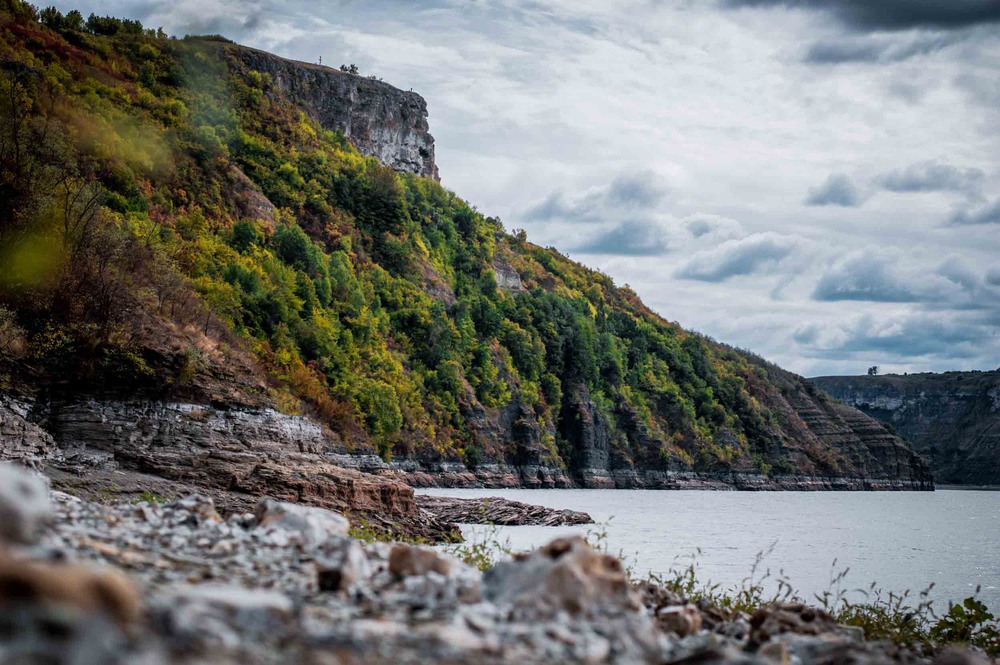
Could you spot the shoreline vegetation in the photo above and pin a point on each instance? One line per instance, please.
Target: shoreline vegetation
(906, 619)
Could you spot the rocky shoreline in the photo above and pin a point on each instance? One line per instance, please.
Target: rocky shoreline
(496, 476)
(498, 511)
(82, 582)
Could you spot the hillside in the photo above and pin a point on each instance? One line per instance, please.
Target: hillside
(953, 419)
(237, 271)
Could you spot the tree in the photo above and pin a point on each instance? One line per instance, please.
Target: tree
(873, 370)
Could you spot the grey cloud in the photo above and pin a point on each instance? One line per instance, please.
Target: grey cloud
(630, 192)
(993, 276)
(838, 189)
(807, 334)
(628, 239)
(957, 271)
(987, 214)
(915, 336)
(928, 176)
(865, 275)
(932, 176)
(982, 87)
(877, 48)
(890, 15)
(701, 224)
(753, 254)
(643, 190)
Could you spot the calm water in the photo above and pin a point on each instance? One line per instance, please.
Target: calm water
(902, 540)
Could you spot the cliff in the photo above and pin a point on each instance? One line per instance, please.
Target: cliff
(380, 120)
(248, 305)
(953, 418)
(811, 443)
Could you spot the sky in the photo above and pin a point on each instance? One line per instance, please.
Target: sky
(814, 180)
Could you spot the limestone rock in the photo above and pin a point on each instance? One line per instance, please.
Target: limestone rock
(24, 504)
(683, 620)
(565, 575)
(410, 560)
(499, 511)
(798, 618)
(380, 120)
(340, 565)
(25, 583)
(314, 526)
(213, 618)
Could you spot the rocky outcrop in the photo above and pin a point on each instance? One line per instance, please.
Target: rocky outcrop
(113, 447)
(952, 418)
(380, 120)
(506, 277)
(498, 511)
(21, 439)
(820, 444)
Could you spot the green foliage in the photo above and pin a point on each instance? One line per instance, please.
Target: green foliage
(969, 622)
(331, 288)
(484, 550)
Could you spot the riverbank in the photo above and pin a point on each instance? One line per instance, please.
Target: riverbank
(496, 476)
(175, 583)
(901, 541)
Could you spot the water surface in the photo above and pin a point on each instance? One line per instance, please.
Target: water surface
(901, 540)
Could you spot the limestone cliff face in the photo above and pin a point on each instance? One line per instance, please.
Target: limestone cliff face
(819, 444)
(952, 418)
(19, 437)
(380, 120)
(115, 447)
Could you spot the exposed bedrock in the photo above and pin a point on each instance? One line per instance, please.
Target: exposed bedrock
(380, 120)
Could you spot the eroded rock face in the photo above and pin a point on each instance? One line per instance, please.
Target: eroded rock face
(21, 439)
(380, 120)
(821, 445)
(952, 418)
(235, 455)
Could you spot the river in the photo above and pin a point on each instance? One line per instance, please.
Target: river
(900, 540)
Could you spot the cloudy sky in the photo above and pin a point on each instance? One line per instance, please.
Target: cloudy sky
(816, 180)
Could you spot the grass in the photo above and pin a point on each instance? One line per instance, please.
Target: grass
(903, 618)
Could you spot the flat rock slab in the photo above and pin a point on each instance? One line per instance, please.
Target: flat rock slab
(498, 511)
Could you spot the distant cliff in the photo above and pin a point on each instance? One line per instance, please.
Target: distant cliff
(380, 120)
(952, 418)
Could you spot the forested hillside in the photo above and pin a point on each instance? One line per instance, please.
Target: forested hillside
(175, 225)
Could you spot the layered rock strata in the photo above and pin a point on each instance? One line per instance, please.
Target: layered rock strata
(952, 418)
(111, 447)
(498, 511)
